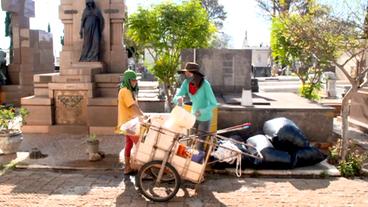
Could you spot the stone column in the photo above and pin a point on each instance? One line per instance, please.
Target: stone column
(114, 57)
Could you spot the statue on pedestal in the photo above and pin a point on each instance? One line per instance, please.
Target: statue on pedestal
(92, 26)
(3, 72)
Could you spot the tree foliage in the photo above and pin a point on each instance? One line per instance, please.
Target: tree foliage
(220, 40)
(293, 44)
(165, 30)
(277, 7)
(7, 24)
(216, 12)
(320, 38)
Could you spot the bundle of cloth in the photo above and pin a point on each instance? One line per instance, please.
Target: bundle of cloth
(283, 146)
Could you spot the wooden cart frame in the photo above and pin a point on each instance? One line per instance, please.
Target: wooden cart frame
(161, 169)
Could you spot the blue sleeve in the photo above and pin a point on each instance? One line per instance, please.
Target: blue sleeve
(211, 98)
(182, 91)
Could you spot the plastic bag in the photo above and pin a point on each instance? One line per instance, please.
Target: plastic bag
(290, 138)
(228, 154)
(272, 158)
(275, 159)
(259, 142)
(285, 134)
(272, 126)
(131, 127)
(307, 156)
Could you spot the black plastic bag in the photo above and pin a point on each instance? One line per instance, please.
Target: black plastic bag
(307, 156)
(272, 126)
(272, 158)
(275, 159)
(285, 134)
(290, 138)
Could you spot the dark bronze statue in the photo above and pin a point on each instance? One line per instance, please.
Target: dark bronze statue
(3, 72)
(92, 26)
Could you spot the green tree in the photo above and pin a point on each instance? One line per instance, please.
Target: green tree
(291, 48)
(7, 24)
(277, 7)
(9, 33)
(216, 12)
(327, 38)
(220, 40)
(217, 15)
(165, 30)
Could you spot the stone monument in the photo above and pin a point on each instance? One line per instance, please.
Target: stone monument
(82, 98)
(32, 52)
(228, 70)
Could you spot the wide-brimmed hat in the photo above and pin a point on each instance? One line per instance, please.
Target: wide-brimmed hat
(191, 67)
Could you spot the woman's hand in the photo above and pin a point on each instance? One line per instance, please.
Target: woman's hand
(143, 118)
(180, 101)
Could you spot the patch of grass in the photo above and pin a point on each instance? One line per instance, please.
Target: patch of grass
(324, 175)
(333, 155)
(355, 159)
(10, 166)
(255, 174)
(352, 165)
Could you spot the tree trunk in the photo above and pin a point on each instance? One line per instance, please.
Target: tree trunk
(345, 112)
(168, 96)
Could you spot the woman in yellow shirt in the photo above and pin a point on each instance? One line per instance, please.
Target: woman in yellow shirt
(128, 109)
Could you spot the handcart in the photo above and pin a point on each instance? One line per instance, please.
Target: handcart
(161, 166)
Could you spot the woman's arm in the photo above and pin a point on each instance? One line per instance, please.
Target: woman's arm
(212, 102)
(136, 109)
(182, 91)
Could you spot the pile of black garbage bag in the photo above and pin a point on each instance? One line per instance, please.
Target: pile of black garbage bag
(283, 146)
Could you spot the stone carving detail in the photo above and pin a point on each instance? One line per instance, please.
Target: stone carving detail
(70, 101)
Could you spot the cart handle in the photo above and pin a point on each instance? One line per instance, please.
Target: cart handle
(234, 128)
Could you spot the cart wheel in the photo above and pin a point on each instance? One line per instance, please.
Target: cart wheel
(162, 191)
(165, 177)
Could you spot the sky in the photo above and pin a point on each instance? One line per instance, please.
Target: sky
(242, 16)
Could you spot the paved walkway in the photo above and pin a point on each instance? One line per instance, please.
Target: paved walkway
(69, 152)
(109, 188)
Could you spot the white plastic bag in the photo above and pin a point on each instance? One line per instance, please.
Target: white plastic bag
(131, 127)
(228, 152)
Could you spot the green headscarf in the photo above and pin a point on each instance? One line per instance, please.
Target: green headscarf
(129, 75)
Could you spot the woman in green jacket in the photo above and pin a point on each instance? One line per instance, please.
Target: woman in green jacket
(202, 97)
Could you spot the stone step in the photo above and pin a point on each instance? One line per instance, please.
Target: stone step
(108, 78)
(82, 71)
(283, 88)
(149, 90)
(148, 95)
(72, 79)
(87, 65)
(148, 84)
(44, 78)
(284, 83)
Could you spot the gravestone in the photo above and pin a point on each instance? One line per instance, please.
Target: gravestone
(83, 96)
(32, 51)
(227, 70)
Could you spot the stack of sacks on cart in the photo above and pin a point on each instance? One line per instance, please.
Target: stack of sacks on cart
(283, 146)
(157, 138)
